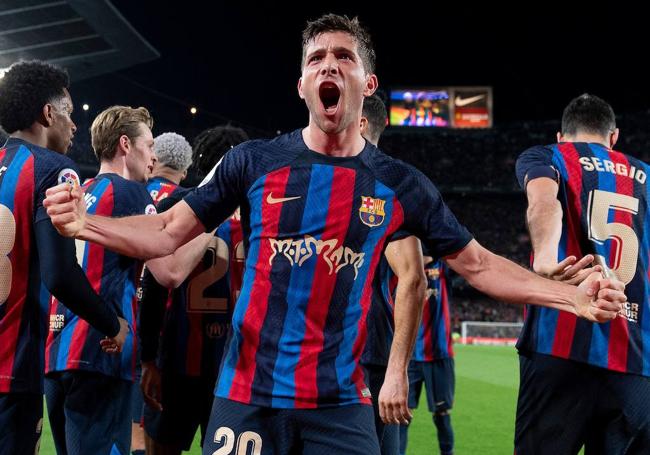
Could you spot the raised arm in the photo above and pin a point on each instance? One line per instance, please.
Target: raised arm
(142, 237)
(596, 299)
(405, 259)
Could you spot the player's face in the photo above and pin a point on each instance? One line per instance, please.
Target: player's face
(140, 158)
(62, 127)
(334, 82)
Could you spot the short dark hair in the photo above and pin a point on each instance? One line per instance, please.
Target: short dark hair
(374, 110)
(25, 88)
(335, 23)
(588, 114)
(212, 144)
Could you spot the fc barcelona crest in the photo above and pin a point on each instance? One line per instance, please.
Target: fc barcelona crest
(371, 211)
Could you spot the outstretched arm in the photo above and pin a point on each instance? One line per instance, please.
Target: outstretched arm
(405, 259)
(142, 237)
(596, 299)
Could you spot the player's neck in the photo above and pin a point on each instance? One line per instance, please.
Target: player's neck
(172, 175)
(345, 143)
(115, 166)
(31, 136)
(587, 138)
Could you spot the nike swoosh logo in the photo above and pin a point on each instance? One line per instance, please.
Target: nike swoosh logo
(460, 102)
(272, 200)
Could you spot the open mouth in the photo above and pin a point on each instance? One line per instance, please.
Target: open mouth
(329, 96)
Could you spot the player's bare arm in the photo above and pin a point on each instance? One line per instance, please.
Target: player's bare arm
(405, 259)
(170, 271)
(544, 216)
(596, 299)
(142, 237)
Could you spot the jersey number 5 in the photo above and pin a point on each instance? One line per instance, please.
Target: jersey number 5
(7, 239)
(625, 249)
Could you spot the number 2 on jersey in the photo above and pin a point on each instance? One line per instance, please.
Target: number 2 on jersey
(218, 259)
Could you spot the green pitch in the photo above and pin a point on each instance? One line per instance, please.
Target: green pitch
(483, 416)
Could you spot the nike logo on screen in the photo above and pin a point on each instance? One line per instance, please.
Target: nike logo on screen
(460, 102)
(272, 200)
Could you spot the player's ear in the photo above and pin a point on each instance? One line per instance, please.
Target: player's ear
(613, 137)
(300, 94)
(124, 144)
(48, 115)
(363, 125)
(559, 137)
(371, 85)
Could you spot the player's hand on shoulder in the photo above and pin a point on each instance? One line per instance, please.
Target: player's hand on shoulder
(66, 207)
(570, 270)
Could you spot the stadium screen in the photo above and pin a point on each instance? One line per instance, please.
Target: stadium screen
(419, 108)
(472, 107)
(454, 107)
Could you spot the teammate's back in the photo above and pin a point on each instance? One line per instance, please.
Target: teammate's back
(604, 197)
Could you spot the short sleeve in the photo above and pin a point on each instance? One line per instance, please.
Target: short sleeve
(534, 163)
(217, 199)
(51, 170)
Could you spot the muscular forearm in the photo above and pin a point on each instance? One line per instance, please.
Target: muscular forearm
(545, 227)
(408, 311)
(141, 237)
(504, 280)
(170, 271)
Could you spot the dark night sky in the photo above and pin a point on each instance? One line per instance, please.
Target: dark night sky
(240, 60)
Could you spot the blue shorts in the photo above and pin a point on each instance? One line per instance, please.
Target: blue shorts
(186, 402)
(137, 400)
(21, 421)
(388, 435)
(241, 428)
(564, 405)
(89, 412)
(439, 380)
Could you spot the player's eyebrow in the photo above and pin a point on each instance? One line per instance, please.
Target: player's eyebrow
(336, 50)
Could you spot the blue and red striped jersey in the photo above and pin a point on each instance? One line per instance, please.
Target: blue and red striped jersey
(159, 188)
(26, 172)
(380, 320)
(197, 319)
(434, 335)
(604, 199)
(72, 344)
(315, 228)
